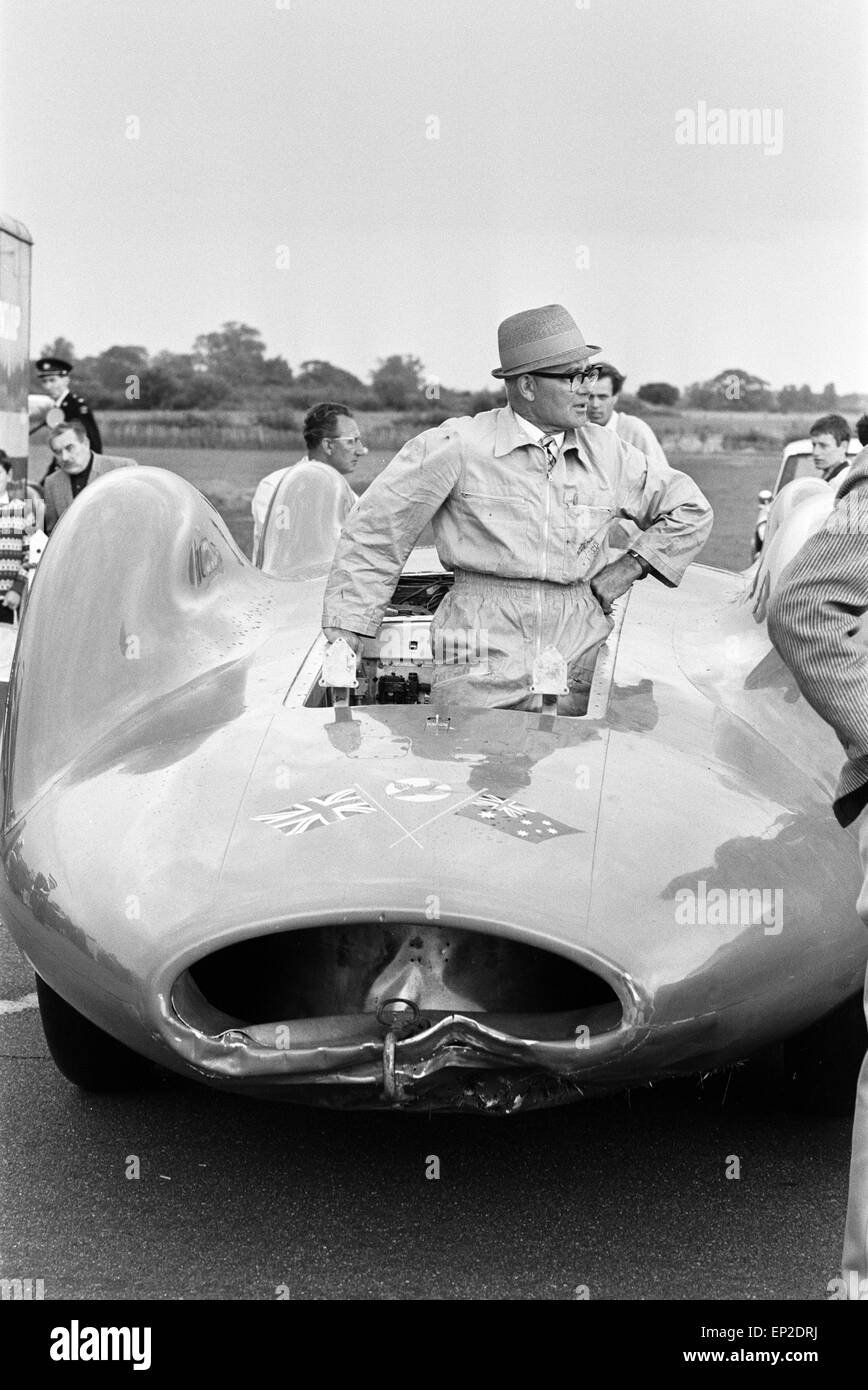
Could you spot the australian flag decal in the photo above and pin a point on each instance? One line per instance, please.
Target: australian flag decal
(501, 813)
(318, 811)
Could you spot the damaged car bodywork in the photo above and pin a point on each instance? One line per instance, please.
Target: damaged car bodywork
(363, 897)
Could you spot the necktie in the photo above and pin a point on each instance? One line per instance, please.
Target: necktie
(551, 448)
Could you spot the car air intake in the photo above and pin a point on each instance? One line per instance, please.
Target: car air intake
(350, 969)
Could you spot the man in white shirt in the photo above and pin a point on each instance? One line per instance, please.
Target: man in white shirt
(333, 441)
(602, 402)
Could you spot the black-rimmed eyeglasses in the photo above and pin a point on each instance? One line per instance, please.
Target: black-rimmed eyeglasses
(589, 376)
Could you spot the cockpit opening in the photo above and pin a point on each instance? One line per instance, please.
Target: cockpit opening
(397, 665)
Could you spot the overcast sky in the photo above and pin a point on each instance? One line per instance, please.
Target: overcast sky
(169, 157)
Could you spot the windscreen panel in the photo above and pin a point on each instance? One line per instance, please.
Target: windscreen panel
(307, 511)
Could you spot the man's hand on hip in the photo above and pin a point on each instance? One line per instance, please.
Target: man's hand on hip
(352, 639)
(615, 580)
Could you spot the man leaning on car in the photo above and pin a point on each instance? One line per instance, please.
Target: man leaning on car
(830, 436)
(814, 623)
(77, 467)
(523, 501)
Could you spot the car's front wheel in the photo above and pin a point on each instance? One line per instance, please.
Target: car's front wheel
(85, 1054)
(815, 1072)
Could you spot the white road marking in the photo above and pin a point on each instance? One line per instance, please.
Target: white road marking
(17, 1006)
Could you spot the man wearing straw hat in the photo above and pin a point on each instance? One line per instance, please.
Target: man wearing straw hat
(521, 500)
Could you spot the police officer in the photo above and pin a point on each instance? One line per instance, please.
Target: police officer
(53, 373)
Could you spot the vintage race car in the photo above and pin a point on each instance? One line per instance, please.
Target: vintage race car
(797, 461)
(366, 897)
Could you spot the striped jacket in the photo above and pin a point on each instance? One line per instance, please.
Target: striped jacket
(15, 528)
(814, 621)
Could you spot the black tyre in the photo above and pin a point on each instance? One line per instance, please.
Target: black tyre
(815, 1072)
(85, 1054)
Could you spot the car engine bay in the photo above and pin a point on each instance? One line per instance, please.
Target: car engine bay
(397, 665)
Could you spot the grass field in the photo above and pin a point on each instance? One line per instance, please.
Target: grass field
(684, 431)
(725, 431)
(228, 478)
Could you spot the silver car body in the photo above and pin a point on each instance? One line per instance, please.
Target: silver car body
(251, 882)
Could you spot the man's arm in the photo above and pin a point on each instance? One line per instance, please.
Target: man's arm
(675, 516)
(384, 526)
(814, 618)
(93, 433)
(14, 594)
(84, 413)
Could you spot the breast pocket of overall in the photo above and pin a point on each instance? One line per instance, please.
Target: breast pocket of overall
(585, 529)
(494, 530)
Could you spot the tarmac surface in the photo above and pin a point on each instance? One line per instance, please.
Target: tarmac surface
(626, 1198)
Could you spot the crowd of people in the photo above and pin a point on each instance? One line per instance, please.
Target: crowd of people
(547, 510)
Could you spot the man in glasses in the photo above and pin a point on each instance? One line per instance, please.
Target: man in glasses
(332, 439)
(521, 500)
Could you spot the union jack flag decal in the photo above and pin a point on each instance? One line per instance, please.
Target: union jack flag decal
(523, 823)
(318, 811)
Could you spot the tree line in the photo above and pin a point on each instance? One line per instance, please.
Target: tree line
(736, 389)
(228, 369)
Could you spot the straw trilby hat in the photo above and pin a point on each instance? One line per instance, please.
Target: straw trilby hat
(540, 338)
